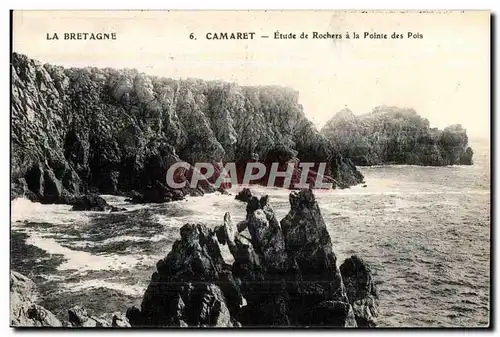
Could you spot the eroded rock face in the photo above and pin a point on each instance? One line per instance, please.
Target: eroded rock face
(282, 275)
(115, 131)
(260, 263)
(361, 290)
(466, 158)
(310, 251)
(24, 312)
(119, 321)
(187, 287)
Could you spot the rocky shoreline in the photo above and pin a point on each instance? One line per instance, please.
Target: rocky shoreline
(282, 273)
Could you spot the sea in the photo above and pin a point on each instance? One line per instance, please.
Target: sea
(424, 231)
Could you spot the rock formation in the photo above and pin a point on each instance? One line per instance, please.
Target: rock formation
(466, 158)
(283, 274)
(78, 317)
(391, 135)
(188, 287)
(361, 290)
(244, 195)
(119, 321)
(111, 131)
(24, 312)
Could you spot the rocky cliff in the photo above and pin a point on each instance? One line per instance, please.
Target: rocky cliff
(113, 131)
(391, 135)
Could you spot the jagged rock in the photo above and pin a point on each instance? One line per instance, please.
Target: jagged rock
(244, 195)
(195, 192)
(41, 317)
(100, 323)
(119, 321)
(226, 233)
(50, 184)
(361, 290)
(134, 197)
(24, 312)
(466, 158)
(267, 236)
(310, 251)
(20, 189)
(186, 285)
(78, 317)
(259, 265)
(282, 275)
(93, 202)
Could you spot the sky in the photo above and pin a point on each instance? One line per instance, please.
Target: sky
(444, 76)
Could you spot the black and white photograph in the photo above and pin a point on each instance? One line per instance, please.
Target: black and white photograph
(180, 169)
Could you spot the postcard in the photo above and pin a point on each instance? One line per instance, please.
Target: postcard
(243, 169)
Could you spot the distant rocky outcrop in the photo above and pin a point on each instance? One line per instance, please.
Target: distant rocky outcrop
(391, 135)
(115, 131)
(282, 274)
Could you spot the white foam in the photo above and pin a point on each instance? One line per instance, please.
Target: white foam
(168, 221)
(87, 244)
(154, 238)
(23, 209)
(82, 261)
(127, 289)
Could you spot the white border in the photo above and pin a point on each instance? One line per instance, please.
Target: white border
(214, 4)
